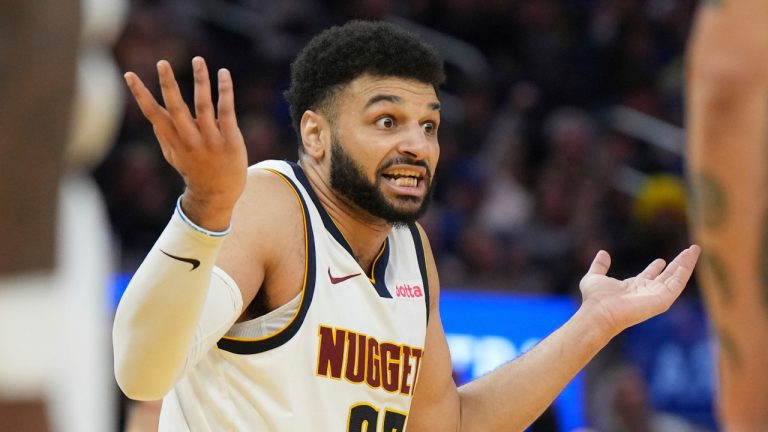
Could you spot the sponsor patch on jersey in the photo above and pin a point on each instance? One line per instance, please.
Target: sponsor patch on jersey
(409, 291)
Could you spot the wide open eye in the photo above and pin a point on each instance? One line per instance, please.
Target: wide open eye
(385, 122)
(430, 128)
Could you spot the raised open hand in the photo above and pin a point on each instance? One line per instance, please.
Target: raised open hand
(209, 152)
(623, 303)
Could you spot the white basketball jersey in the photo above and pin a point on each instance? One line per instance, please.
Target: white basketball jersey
(347, 359)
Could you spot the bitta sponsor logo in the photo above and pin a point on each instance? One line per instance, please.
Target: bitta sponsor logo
(410, 291)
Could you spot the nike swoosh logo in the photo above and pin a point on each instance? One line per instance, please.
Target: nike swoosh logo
(335, 280)
(195, 263)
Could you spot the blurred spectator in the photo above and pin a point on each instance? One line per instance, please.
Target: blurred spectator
(625, 406)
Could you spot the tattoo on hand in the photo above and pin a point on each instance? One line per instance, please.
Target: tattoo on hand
(708, 205)
(730, 351)
(715, 276)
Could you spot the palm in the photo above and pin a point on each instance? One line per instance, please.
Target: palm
(206, 149)
(623, 303)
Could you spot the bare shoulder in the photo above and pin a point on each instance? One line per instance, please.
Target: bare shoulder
(267, 210)
(267, 225)
(266, 193)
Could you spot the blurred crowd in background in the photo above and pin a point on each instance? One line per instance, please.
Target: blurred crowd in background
(541, 164)
(561, 126)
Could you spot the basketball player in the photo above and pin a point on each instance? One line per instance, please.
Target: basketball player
(727, 108)
(303, 296)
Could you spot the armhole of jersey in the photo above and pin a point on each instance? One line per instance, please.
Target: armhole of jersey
(419, 245)
(237, 345)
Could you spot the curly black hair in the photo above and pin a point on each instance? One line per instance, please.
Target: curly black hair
(341, 54)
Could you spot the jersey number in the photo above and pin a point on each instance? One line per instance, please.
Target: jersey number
(365, 418)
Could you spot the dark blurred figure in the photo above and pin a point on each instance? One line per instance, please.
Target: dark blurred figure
(38, 45)
(60, 103)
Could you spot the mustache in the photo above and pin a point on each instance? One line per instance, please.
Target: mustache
(405, 160)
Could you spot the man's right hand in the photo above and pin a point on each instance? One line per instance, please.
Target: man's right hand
(209, 152)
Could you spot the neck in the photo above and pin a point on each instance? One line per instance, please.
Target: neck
(364, 232)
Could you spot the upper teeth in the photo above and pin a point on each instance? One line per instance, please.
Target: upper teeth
(403, 173)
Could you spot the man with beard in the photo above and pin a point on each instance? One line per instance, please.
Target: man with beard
(304, 296)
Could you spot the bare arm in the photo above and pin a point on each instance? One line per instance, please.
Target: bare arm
(513, 396)
(727, 114)
(176, 296)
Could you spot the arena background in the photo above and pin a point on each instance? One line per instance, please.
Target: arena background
(561, 135)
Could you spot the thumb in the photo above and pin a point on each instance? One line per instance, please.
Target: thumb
(600, 264)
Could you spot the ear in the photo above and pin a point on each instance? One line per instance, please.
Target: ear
(315, 134)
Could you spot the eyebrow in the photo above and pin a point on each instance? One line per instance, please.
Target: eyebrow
(395, 100)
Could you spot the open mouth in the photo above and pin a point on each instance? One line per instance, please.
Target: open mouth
(404, 177)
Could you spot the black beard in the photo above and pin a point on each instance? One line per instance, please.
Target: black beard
(348, 180)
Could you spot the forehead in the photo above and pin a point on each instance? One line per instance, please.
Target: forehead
(364, 89)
